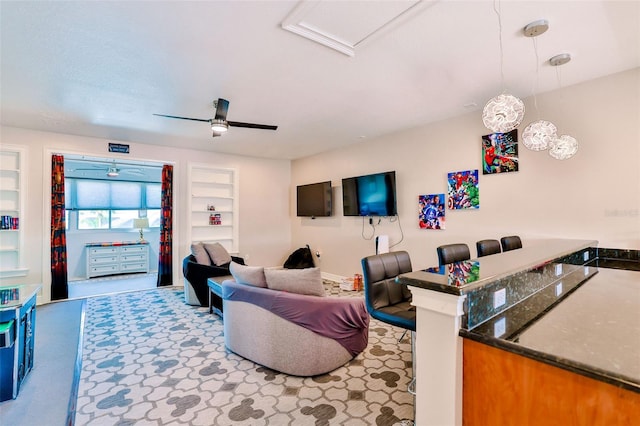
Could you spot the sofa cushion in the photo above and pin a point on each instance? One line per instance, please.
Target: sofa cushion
(218, 254)
(250, 275)
(301, 281)
(201, 255)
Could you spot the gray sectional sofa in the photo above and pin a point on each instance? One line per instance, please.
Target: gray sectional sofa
(297, 334)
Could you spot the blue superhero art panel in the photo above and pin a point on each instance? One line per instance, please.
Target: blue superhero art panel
(463, 190)
(431, 211)
(500, 152)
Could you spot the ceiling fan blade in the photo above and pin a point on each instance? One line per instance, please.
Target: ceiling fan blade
(251, 125)
(222, 106)
(184, 118)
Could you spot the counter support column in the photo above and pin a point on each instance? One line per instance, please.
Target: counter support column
(438, 357)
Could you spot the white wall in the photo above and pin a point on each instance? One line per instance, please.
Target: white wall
(265, 225)
(594, 195)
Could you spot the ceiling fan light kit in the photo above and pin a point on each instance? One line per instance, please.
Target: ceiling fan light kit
(219, 126)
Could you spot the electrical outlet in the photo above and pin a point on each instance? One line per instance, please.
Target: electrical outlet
(499, 327)
(558, 269)
(318, 254)
(499, 298)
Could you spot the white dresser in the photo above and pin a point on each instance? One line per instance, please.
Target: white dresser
(117, 258)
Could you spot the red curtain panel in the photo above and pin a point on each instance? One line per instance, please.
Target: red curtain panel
(165, 271)
(59, 284)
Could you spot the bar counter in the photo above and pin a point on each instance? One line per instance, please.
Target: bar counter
(548, 302)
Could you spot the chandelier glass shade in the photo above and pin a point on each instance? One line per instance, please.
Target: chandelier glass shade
(563, 147)
(503, 113)
(538, 135)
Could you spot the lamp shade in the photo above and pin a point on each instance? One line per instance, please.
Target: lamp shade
(563, 147)
(538, 135)
(503, 113)
(141, 223)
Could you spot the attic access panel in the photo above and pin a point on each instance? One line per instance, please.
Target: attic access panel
(345, 25)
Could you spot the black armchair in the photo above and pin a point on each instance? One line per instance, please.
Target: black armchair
(196, 276)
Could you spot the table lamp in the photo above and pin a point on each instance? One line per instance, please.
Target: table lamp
(141, 223)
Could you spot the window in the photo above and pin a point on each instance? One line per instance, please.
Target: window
(102, 204)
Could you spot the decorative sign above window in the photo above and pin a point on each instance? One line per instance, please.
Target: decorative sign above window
(118, 147)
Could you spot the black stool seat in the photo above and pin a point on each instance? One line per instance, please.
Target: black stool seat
(450, 253)
(385, 299)
(487, 247)
(512, 242)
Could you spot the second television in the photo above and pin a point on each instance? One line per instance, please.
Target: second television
(370, 195)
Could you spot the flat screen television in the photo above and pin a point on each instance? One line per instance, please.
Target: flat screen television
(370, 195)
(314, 199)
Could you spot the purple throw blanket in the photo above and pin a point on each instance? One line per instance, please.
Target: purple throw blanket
(343, 319)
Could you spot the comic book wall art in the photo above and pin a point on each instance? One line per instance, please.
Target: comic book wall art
(500, 152)
(431, 211)
(463, 190)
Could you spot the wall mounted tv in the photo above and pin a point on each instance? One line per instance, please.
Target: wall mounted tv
(370, 195)
(314, 199)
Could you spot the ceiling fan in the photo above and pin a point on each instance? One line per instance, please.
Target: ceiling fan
(220, 124)
(112, 170)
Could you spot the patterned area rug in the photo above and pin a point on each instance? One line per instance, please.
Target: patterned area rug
(150, 359)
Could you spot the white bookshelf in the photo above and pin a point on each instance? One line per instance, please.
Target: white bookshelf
(12, 196)
(213, 208)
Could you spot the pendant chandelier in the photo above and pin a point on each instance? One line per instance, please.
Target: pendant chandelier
(505, 112)
(538, 135)
(563, 147)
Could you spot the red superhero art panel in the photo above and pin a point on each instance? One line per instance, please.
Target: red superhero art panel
(500, 152)
(463, 190)
(431, 211)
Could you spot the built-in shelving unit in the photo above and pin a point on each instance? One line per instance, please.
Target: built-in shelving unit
(213, 205)
(12, 187)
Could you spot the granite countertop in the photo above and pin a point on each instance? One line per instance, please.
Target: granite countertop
(590, 327)
(464, 277)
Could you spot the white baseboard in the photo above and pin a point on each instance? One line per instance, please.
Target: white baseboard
(332, 277)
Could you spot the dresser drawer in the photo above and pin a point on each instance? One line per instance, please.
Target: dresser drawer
(133, 249)
(103, 259)
(133, 257)
(104, 270)
(133, 267)
(102, 251)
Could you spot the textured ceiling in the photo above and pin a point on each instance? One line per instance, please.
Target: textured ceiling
(102, 68)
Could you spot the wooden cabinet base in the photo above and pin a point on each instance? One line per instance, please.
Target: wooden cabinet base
(503, 388)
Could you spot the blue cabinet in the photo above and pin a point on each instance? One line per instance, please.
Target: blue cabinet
(17, 327)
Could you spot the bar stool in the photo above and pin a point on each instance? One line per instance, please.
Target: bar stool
(487, 247)
(510, 243)
(450, 253)
(389, 301)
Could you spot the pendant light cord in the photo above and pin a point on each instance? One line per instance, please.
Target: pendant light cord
(537, 84)
(497, 10)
